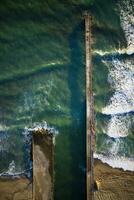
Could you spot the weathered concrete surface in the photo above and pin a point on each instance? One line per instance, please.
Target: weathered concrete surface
(114, 184)
(15, 189)
(89, 110)
(42, 165)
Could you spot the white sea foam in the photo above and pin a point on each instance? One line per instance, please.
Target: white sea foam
(118, 126)
(114, 52)
(127, 23)
(13, 172)
(37, 99)
(38, 126)
(3, 127)
(27, 138)
(115, 147)
(118, 104)
(11, 168)
(121, 74)
(121, 78)
(117, 162)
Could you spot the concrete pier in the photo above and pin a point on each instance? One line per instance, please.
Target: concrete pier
(42, 149)
(89, 110)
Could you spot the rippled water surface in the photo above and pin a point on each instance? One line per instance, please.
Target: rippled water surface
(42, 83)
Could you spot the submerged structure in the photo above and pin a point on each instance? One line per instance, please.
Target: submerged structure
(42, 149)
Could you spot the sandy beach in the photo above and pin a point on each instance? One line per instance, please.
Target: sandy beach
(113, 183)
(15, 188)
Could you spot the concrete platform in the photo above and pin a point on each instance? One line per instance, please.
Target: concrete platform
(42, 165)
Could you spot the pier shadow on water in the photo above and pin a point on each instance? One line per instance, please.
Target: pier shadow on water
(70, 163)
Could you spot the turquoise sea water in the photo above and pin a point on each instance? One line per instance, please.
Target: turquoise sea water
(42, 78)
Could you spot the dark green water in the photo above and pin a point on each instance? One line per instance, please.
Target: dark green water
(42, 78)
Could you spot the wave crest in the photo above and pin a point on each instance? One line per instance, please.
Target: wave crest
(121, 78)
(118, 126)
(127, 23)
(117, 162)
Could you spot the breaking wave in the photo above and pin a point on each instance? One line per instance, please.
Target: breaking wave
(14, 168)
(121, 78)
(118, 126)
(13, 172)
(121, 104)
(117, 162)
(127, 23)
(115, 147)
(43, 125)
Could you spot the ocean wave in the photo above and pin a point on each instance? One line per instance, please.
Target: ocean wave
(119, 104)
(118, 126)
(121, 75)
(3, 128)
(23, 165)
(127, 23)
(116, 52)
(115, 147)
(14, 172)
(39, 126)
(117, 162)
(27, 133)
(121, 78)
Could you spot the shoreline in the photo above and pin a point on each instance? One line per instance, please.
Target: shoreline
(127, 164)
(113, 183)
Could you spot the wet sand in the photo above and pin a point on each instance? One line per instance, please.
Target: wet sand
(15, 188)
(113, 183)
